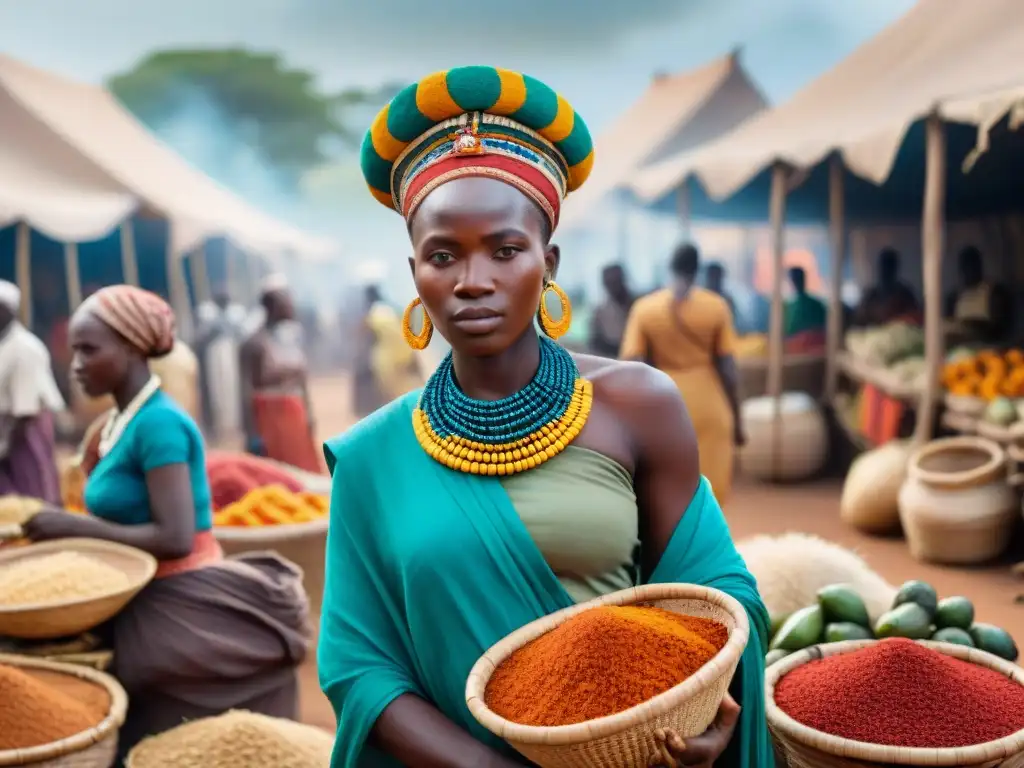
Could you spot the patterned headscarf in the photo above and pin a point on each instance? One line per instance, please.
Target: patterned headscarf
(477, 121)
(141, 317)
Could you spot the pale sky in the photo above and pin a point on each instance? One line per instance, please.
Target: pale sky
(599, 53)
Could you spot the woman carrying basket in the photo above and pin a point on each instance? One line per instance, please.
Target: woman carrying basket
(442, 540)
(208, 634)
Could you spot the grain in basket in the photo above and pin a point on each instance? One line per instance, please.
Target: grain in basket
(237, 739)
(58, 577)
(18, 510)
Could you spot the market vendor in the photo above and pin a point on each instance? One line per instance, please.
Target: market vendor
(714, 281)
(206, 635)
(277, 416)
(432, 558)
(890, 299)
(29, 400)
(805, 316)
(979, 310)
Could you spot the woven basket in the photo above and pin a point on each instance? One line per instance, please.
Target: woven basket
(805, 747)
(966, 405)
(626, 739)
(95, 748)
(72, 617)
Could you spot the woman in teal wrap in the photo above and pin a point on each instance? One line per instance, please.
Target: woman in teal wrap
(521, 479)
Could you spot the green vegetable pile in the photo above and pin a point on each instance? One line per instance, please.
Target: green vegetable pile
(917, 613)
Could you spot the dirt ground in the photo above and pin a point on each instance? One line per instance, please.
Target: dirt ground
(754, 509)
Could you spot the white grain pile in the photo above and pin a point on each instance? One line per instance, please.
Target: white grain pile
(237, 739)
(18, 510)
(57, 578)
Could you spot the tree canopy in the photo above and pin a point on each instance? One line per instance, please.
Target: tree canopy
(278, 110)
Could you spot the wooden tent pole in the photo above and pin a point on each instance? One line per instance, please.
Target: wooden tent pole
(129, 258)
(23, 270)
(72, 276)
(837, 241)
(200, 274)
(684, 209)
(933, 235)
(776, 340)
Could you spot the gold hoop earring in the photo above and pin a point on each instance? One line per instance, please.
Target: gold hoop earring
(554, 329)
(416, 340)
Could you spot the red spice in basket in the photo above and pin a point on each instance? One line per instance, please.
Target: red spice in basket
(603, 661)
(33, 713)
(233, 475)
(899, 693)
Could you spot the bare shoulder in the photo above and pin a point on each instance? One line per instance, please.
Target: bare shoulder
(628, 386)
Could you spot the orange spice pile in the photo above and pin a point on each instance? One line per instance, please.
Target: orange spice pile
(601, 662)
(34, 711)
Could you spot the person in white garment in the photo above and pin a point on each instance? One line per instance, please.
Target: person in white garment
(29, 399)
(221, 332)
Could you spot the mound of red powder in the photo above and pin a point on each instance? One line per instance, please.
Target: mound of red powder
(899, 693)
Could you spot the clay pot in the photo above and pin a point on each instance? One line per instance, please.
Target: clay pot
(956, 505)
(797, 451)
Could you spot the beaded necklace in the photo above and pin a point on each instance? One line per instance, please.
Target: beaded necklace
(118, 420)
(514, 434)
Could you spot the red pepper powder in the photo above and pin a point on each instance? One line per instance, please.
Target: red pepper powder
(899, 693)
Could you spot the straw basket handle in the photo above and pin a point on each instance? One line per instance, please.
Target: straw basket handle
(665, 758)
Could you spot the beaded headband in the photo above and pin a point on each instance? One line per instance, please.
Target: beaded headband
(476, 121)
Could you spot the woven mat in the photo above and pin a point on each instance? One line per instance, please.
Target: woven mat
(85, 649)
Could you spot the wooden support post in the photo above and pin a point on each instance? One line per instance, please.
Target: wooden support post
(200, 274)
(837, 242)
(129, 258)
(684, 209)
(776, 331)
(72, 276)
(933, 237)
(23, 270)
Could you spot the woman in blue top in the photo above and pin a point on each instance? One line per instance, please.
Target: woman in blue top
(208, 634)
(523, 478)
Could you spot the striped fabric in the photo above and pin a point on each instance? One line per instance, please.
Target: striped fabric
(514, 121)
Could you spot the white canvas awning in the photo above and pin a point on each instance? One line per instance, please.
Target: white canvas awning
(960, 59)
(675, 113)
(74, 164)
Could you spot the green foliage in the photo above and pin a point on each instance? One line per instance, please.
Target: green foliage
(278, 110)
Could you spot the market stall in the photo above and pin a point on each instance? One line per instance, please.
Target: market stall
(854, 147)
(76, 182)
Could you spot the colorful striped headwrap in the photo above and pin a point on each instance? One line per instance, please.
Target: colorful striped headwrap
(477, 121)
(141, 317)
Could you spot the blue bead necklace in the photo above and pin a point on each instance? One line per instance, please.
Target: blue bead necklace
(508, 435)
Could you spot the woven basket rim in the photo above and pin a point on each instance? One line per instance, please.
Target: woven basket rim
(82, 546)
(965, 404)
(108, 726)
(979, 475)
(272, 533)
(577, 733)
(781, 722)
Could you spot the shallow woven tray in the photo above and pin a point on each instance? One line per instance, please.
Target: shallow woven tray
(967, 405)
(806, 747)
(626, 739)
(95, 748)
(46, 621)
